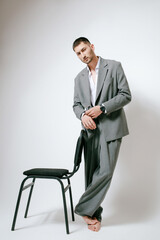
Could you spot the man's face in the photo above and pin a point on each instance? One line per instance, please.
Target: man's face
(85, 52)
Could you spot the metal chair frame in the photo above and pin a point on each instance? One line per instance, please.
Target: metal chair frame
(77, 161)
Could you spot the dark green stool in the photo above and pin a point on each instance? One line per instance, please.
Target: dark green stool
(56, 174)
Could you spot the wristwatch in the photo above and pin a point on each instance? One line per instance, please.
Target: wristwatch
(102, 108)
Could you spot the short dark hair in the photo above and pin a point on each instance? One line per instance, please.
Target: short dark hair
(79, 40)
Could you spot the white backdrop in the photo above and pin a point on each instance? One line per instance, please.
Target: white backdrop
(38, 126)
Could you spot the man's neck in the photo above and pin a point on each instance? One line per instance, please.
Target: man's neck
(92, 65)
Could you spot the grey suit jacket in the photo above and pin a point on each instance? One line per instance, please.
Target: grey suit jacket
(112, 90)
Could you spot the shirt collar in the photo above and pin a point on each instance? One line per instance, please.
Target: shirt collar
(97, 66)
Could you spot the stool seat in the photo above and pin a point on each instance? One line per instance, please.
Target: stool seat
(55, 172)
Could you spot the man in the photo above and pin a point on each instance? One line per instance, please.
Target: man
(101, 90)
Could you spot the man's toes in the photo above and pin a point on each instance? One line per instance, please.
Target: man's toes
(97, 226)
(92, 227)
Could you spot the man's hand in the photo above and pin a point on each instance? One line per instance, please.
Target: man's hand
(94, 112)
(88, 122)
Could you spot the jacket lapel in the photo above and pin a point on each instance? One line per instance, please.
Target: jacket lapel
(103, 70)
(86, 88)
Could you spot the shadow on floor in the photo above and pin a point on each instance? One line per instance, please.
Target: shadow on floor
(52, 217)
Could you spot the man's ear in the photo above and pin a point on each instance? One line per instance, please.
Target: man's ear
(92, 46)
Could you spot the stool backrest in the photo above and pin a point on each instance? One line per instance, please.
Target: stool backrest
(78, 151)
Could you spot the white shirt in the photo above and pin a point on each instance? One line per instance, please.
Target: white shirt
(93, 86)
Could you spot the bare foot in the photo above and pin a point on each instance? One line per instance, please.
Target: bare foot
(98, 226)
(95, 227)
(90, 220)
(92, 227)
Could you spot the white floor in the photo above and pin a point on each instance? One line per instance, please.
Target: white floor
(50, 225)
(131, 209)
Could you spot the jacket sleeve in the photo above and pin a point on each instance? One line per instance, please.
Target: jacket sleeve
(77, 106)
(123, 95)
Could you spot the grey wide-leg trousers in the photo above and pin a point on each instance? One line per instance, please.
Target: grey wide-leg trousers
(100, 160)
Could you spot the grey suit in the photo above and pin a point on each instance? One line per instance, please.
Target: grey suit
(103, 143)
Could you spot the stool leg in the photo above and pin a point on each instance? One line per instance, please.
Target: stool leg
(17, 204)
(65, 207)
(29, 198)
(71, 200)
